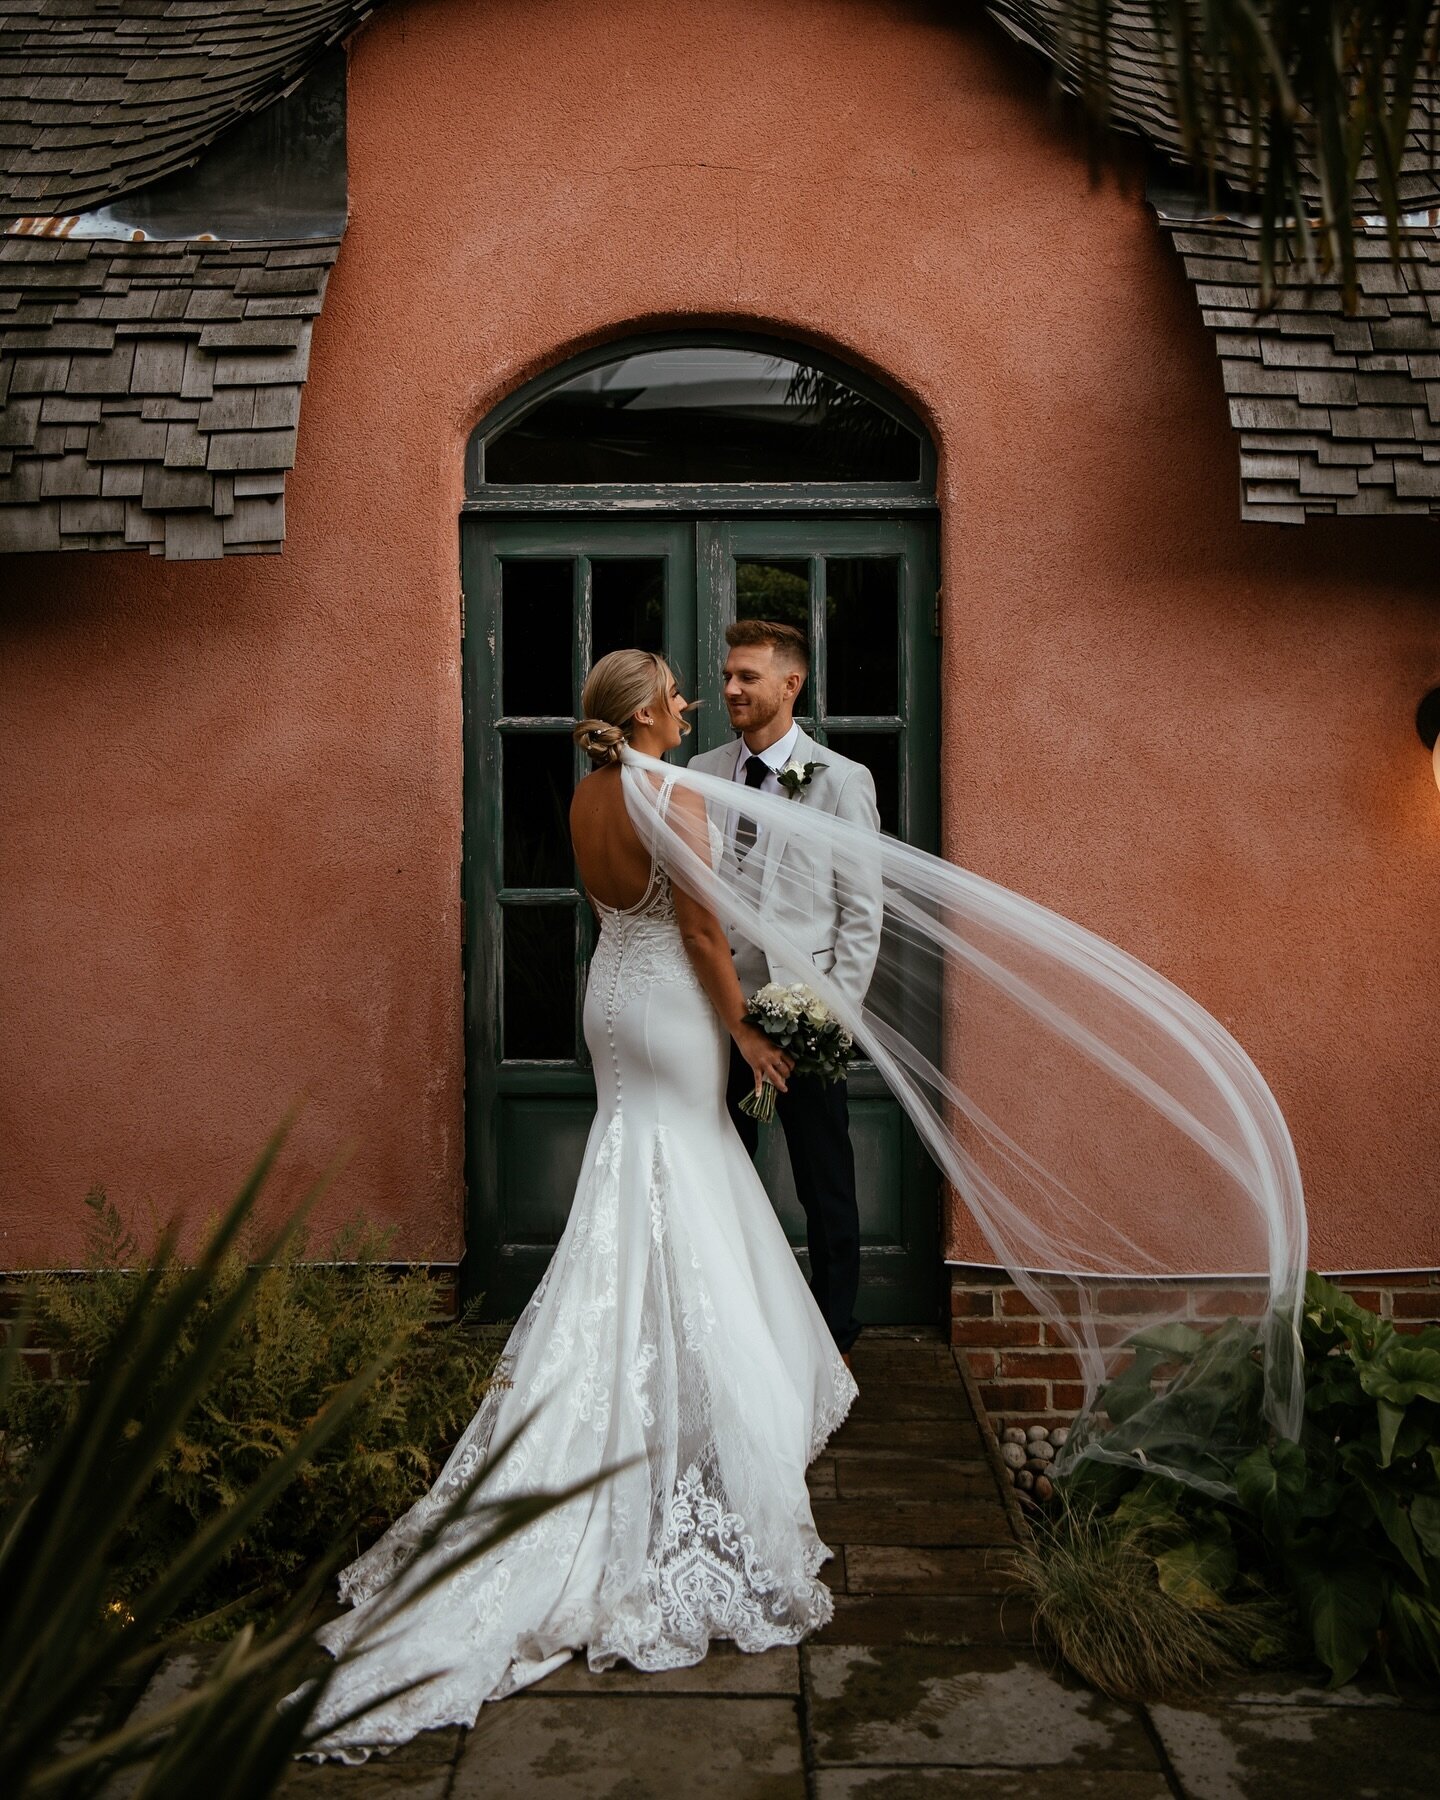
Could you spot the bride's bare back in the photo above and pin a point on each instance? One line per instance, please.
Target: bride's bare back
(614, 864)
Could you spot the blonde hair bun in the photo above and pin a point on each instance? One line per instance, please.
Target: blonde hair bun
(615, 690)
(600, 741)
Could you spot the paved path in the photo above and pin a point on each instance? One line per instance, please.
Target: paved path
(926, 1684)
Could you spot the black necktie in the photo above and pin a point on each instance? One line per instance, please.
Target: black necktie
(745, 829)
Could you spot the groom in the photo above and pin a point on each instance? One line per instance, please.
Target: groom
(832, 910)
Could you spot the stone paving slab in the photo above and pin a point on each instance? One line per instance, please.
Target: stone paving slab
(1276, 1689)
(1255, 1752)
(986, 1784)
(907, 1401)
(939, 1437)
(968, 1708)
(931, 1524)
(924, 1687)
(633, 1748)
(725, 1671)
(821, 1479)
(419, 1770)
(871, 1474)
(927, 1619)
(904, 1569)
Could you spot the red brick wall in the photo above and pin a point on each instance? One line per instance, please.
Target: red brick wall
(1027, 1375)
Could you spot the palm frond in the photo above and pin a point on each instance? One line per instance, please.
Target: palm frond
(1320, 118)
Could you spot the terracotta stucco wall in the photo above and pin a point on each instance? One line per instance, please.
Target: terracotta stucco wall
(232, 808)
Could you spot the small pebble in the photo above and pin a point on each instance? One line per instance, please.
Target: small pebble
(1013, 1456)
(1035, 1434)
(1060, 1436)
(1024, 1480)
(1012, 1434)
(1040, 1451)
(1044, 1487)
(1036, 1467)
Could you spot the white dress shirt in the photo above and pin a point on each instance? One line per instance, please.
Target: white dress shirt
(775, 759)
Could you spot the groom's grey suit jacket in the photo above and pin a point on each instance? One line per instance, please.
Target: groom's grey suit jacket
(830, 908)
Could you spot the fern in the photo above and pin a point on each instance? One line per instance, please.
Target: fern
(313, 1326)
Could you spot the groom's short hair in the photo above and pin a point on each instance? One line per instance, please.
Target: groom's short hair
(788, 644)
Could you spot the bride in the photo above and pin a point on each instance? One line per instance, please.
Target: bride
(672, 1337)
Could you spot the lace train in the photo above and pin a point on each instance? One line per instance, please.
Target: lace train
(673, 1332)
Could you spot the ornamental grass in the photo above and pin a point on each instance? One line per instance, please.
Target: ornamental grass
(1098, 1590)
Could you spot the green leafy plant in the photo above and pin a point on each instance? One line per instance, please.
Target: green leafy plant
(1350, 1514)
(1144, 1603)
(1345, 1524)
(307, 1329)
(70, 1659)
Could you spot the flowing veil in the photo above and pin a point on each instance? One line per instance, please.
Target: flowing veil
(1119, 1152)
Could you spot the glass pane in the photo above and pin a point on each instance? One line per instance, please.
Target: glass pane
(880, 753)
(538, 778)
(627, 604)
(776, 589)
(862, 644)
(539, 1008)
(536, 632)
(702, 413)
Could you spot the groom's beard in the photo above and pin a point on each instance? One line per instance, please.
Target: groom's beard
(753, 718)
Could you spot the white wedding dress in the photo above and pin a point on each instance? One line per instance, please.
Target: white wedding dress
(672, 1327)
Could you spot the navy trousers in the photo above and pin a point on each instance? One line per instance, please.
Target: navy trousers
(815, 1115)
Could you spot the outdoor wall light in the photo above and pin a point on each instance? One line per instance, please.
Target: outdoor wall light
(1427, 723)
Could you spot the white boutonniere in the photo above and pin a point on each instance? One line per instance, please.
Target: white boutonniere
(795, 777)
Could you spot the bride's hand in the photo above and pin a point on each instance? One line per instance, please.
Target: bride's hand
(769, 1062)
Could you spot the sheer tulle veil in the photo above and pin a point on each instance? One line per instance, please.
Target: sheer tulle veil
(1119, 1152)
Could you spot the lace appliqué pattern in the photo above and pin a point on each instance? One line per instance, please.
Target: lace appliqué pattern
(670, 1258)
(706, 1580)
(640, 949)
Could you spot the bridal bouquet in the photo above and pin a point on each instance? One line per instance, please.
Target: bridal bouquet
(804, 1028)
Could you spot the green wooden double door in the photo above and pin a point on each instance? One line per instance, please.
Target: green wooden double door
(545, 597)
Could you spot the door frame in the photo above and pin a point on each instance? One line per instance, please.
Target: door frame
(699, 505)
(485, 1086)
(692, 497)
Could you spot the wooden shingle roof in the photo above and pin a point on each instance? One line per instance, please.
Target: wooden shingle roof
(150, 393)
(149, 387)
(98, 97)
(1336, 412)
(1140, 97)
